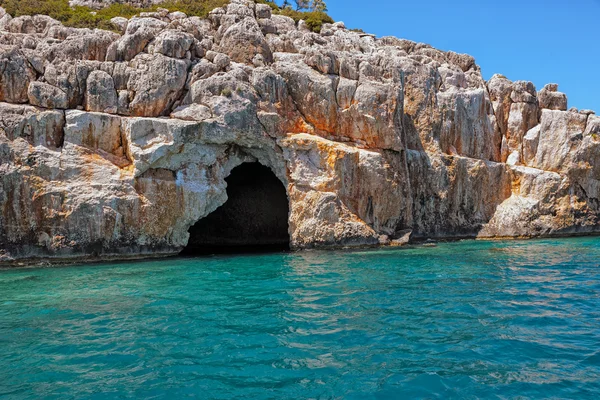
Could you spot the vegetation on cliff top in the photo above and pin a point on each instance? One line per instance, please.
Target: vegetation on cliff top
(313, 12)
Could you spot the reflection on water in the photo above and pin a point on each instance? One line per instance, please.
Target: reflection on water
(466, 319)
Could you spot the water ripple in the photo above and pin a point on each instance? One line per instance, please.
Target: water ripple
(461, 320)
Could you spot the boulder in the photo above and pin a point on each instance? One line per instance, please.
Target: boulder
(551, 99)
(101, 95)
(16, 73)
(39, 127)
(47, 96)
(139, 33)
(263, 11)
(244, 40)
(157, 82)
(173, 43)
(90, 46)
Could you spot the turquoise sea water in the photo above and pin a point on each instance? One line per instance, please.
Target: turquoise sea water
(461, 320)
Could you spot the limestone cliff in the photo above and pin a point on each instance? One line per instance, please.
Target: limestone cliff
(116, 144)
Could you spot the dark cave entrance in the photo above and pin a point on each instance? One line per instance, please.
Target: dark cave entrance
(254, 218)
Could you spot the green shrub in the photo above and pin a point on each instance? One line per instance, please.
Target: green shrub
(197, 8)
(58, 9)
(82, 17)
(78, 17)
(314, 19)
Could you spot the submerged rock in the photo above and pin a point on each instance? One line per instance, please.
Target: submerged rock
(115, 145)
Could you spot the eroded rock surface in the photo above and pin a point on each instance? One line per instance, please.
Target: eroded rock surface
(115, 145)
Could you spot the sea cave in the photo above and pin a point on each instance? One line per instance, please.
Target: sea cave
(253, 219)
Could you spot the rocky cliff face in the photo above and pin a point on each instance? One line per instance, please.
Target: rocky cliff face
(116, 144)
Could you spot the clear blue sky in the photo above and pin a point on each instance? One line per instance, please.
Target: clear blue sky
(541, 41)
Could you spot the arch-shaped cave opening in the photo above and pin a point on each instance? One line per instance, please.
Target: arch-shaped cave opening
(253, 219)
